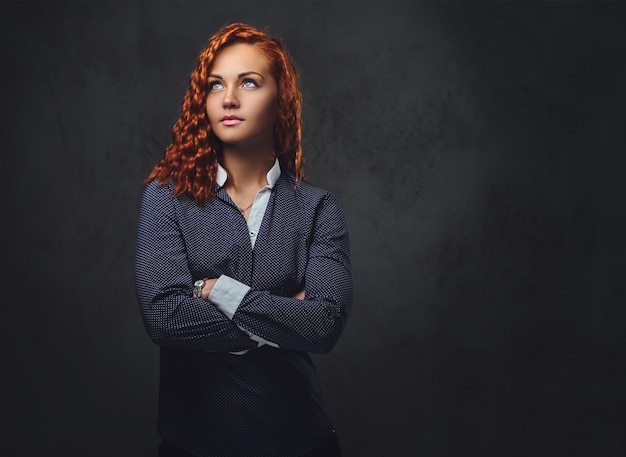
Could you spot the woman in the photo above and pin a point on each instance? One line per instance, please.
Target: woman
(242, 266)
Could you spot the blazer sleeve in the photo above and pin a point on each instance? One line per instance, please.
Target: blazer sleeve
(315, 323)
(164, 284)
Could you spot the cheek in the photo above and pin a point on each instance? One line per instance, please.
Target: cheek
(271, 110)
(209, 108)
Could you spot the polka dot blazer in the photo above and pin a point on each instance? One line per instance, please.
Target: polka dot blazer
(268, 401)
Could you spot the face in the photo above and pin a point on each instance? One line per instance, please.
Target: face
(242, 101)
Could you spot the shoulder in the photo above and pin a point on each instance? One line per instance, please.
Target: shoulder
(314, 201)
(305, 190)
(156, 195)
(155, 187)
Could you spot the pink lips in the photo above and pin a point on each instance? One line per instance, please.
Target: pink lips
(231, 120)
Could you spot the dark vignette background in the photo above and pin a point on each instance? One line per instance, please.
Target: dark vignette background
(478, 148)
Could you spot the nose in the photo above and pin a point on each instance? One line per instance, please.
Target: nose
(230, 98)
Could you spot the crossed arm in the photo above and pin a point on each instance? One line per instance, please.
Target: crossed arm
(311, 320)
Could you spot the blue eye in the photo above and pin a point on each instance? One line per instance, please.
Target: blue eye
(215, 85)
(250, 84)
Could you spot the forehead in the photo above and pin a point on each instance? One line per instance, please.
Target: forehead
(238, 58)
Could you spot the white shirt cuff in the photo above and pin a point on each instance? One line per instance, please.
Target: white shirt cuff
(227, 294)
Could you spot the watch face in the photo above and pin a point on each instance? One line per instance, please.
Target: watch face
(199, 283)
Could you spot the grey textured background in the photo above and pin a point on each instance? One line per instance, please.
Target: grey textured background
(479, 151)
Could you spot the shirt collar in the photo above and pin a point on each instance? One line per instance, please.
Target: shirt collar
(272, 175)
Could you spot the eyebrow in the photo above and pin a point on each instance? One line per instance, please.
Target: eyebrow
(239, 76)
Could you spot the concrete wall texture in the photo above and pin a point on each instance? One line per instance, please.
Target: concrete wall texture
(479, 151)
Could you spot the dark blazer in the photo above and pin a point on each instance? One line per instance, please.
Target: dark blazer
(268, 401)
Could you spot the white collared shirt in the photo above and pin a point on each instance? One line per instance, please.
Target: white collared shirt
(260, 202)
(227, 293)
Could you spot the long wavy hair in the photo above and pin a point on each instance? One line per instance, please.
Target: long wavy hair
(191, 159)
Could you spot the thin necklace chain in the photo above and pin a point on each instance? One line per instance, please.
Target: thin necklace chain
(243, 210)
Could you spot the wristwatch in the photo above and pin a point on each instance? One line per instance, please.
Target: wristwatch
(197, 288)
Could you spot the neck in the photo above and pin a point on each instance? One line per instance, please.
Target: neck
(247, 171)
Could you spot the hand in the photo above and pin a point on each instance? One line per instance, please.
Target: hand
(299, 295)
(208, 287)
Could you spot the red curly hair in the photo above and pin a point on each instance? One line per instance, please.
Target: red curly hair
(191, 159)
